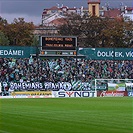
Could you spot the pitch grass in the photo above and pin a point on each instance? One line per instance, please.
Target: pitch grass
(68, 115)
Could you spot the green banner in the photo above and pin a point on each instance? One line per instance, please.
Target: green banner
(16, 51)
(107, 53)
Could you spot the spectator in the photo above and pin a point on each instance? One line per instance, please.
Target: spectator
(54, 70)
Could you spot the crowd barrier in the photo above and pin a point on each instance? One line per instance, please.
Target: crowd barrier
(68, 94)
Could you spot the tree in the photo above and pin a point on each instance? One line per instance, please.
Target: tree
(87, 28)
(71, 26)
(35, 40)
(98, 32)
(118, 33)
(92, 28)
(20, 32)
(3, 22)
(3, 39)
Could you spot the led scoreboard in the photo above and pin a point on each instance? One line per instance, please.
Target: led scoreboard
(58, 43)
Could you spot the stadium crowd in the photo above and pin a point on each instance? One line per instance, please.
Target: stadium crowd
(68, 69)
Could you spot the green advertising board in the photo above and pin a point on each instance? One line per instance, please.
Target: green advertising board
(16, 51)
(89, 53)
(107, 53)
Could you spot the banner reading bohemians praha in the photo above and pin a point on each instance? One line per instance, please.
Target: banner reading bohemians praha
(34, 86)
(65, 86)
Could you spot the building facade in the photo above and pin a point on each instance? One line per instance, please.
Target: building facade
(93, 7)
(56, 13)
(55, 16)
(128, 13)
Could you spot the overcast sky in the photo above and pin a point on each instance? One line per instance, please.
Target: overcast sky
(31, 10)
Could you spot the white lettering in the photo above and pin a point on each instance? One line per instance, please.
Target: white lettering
(1, 52)
(105, 54)
(19, 52)
(15, 52)
(5, 52)
(129, 54)
(111, 94)
(11, 52)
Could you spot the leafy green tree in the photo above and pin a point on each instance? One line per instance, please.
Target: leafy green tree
(88, 29)
(98, 32)
(92, 28)
(35, 40)
(118, 33)
(3, 39)
(71, 26)
(3, 23)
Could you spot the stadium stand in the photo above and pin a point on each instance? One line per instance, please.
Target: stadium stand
(68, 69)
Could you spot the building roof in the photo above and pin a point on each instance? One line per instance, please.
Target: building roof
(54, 8)
(57, 22)
(112, 13)
(93, 1)
(129, 8)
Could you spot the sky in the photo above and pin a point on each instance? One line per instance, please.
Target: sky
(31, 10)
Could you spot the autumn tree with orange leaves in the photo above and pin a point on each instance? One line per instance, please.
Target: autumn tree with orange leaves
(18, 32)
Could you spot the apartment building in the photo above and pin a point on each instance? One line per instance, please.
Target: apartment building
(128, 13)
(54, 15)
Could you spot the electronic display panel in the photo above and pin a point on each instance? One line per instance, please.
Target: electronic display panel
(58, 43)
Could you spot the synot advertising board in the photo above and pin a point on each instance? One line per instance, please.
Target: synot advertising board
(74, 94)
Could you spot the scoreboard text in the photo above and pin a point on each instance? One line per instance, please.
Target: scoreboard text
(58, 43)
